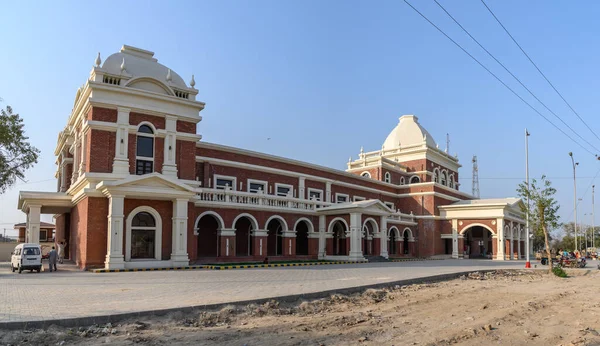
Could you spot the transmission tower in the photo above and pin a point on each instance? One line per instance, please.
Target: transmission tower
(475, 191)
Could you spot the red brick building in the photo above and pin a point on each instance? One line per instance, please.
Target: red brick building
(138, 188)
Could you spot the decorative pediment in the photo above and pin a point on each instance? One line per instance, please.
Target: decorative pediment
(371, 207)
(154, 185)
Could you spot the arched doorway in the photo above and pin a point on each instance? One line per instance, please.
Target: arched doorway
(339, 239)
(392, 240)
(302, 238)
(369, 229)
(478, 242)
(143, 238)
(243, 229)
(207, 229)
(274, 238)
(405, 241)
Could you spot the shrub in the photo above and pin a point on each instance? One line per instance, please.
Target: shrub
(558, 271)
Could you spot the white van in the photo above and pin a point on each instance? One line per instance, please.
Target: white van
(26, 256)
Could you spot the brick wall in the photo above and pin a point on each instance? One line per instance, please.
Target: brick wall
(97, 228)
(100, 151)
(186, 126)
(186, 160)
(78, 238)
(102, 114)
(137, 118)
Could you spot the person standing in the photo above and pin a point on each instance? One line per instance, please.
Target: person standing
(52, 256)
(61, 251)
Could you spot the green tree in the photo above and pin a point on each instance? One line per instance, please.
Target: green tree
(543, 209)
(16, 154)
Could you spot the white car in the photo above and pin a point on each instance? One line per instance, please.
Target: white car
(26, 256)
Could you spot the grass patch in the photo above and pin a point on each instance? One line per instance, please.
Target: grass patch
(558, 271)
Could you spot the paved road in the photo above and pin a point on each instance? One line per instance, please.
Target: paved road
(69, 294)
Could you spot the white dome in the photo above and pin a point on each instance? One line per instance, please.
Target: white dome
(141, 63)
(407, 133)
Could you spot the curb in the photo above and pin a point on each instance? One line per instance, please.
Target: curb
(250, 266)
(104, 319)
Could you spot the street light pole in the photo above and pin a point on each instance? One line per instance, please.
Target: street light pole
(527, 261)
(574, 198)
(593, 227)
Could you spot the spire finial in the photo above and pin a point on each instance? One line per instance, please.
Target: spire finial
(168, 75)
(98, 60)
(361, 150)
(350, 159)
(123, 65)
(192, 82)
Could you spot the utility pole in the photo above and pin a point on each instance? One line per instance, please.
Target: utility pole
(593, 227)
(574, 198)
(527, 262)
(475, 186)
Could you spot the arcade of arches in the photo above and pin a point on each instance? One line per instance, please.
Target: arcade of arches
(246, 240)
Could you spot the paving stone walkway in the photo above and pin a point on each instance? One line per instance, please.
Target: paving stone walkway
(74, 294)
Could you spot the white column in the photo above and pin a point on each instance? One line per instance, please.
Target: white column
(328, 191)
(114, 240)
(301, 193)
(519, 242)
(121, 160)
(169, 165)
(454, 238)
(179, 255)
(82, 154)
(500, 239)
(33, 224)
(63, 176)
(383, 237)
(322, 238)
(355, 239)
(511, 241)
(75, 172)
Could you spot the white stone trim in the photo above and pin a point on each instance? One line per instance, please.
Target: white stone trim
(284, 224)
(341, 195)
(373, 223)
(228, 177)
(310, 189)
(332, 222)
(387, 178)
(206, 213)
(365, 174)
(264, 183)
(157, 236)
(311, 227)
(249, 216)
(397, 233)
(411, 238)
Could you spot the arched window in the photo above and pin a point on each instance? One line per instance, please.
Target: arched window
(366, 174)
(436, 175)
(415, 179)
(444, 178)
(388, 177)
(451, 181)
(143, 236)
(401, 180)
(144, 162)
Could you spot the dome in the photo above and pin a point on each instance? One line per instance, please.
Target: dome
(141, 63)
(407, 133)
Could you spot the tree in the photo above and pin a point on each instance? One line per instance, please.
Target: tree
(543, 209)
(16, 154)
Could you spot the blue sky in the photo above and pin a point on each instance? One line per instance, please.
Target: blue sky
(323, 78)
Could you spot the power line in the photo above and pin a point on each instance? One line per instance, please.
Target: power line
(537, 68)
(498, 79)
(515, 77)
(523, 178)
(585, 193)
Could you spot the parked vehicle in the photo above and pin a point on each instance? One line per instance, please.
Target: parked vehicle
(26, 257)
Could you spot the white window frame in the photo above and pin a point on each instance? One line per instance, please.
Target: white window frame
(358, 198)
(411, 178)
(402, 180)
(368, 175)
(342, 195)
(143, 134)
(387, 178)
(157, 234)
(233, 179)
(278, 185)
(443, 181)
(390, 205)
(310, 189)
(264, 183)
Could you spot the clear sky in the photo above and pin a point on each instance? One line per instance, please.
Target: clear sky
(323, 78)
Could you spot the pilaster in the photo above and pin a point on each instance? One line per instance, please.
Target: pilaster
(301, 193)
(383, 242)
(114, 240)
(500, 239)
(179, 255)
(121, 160)
(322, 232)
(169, 165)
(454, 238)
(328, 191)
(355, 238)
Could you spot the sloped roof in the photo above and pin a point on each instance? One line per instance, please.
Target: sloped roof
(42, 225)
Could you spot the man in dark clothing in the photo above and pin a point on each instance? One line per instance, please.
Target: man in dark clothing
(52, 257)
